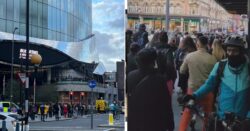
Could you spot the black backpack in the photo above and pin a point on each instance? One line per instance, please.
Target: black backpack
(165, 63)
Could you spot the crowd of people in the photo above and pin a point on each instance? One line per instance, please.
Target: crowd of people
(57, 110)
(212, 69)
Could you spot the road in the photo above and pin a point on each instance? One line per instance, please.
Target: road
(79, 124)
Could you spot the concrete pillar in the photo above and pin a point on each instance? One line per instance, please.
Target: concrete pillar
(141, 19)
(167, 16)
(48, 76)
(248, 13)
(182, 25)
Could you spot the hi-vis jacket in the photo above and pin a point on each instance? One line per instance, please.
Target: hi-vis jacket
(234, 90)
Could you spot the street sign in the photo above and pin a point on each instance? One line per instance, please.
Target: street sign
(92, 84)
(22, 77)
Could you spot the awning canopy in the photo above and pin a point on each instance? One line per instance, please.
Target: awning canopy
(50, 56)
(234, 6)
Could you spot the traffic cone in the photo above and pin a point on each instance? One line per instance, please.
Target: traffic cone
(111, 119)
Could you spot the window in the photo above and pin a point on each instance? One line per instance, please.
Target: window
(3, 9)
(10, 11)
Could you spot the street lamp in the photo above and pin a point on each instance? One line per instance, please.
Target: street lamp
(36, 59)
(12, 61)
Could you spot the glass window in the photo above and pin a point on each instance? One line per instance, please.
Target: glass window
(58, 20)
(39, 32)
(34, 31)
(49, 34)
(10, 11)
(16, 10)
(40, 14)
(22, 11)
(54, 3)
(45, 17)
(58, 36)
(54, 20)
(63, 22)
(53, 35)
(22, 29)
(50, 17)
(2, 25)
(34, 14)
(9, 26)
(45, 1)
(3, 9)
(58, 4)
(45, 33)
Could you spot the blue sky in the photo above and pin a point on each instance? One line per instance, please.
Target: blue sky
(108, 27)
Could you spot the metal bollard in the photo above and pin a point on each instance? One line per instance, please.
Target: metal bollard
(4, 125)
(17, 126)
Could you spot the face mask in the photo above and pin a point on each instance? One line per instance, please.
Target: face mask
(236, 61)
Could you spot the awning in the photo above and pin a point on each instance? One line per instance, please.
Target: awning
(50, 56)
(234, 6)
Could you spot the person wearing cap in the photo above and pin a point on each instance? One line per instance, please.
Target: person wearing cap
(233, 95)
(149, 102)
(198, 65)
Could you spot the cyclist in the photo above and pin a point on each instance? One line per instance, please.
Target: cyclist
(233, 94)
(113, 108)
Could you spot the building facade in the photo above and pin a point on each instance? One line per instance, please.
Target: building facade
(185, 15)
(61, 24)
(64, 29)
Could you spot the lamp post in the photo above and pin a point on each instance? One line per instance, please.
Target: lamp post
(12, 61)
(36, 59)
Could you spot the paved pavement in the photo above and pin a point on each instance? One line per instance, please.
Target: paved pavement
(100, 123)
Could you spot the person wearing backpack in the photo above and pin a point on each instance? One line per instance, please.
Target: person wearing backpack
(165, 60)
(198, 65)
(229, 80)
(149, 102)
(141, 37)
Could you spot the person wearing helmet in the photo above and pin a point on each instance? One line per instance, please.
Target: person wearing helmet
(233, 86)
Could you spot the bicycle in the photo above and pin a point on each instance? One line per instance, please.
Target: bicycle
(196, 111)
(117, 115)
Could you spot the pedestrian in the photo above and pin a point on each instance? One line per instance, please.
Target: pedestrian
(217, 50)
(50, 110)
(131, 64)
(141, 37)
(229, 80)
(198, 65)
(149, 102)
(65, 110)
(56, 111)
(186, 46)
(42, 108)
(165, 60)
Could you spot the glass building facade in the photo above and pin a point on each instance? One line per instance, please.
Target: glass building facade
(60, 24)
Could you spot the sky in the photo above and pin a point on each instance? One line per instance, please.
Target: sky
(108, 27)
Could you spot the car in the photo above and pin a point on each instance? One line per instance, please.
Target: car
(11, 120)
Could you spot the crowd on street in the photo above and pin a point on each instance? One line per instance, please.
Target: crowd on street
(212, 69)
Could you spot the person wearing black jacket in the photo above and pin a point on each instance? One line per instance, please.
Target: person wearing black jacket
(149, 101)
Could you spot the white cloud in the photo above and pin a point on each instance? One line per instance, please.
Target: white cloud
(110, 48)
(108, 26)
